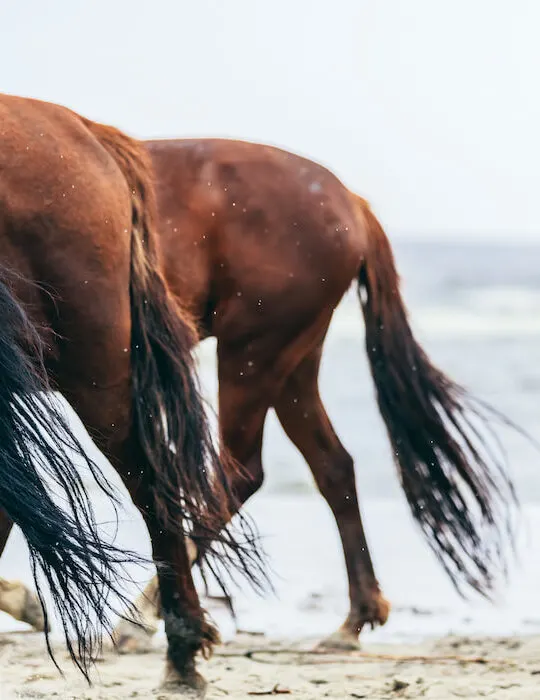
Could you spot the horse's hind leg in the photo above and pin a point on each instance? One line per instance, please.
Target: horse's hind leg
(131, 638)
(243, 405)
(100, 391)
(302, 415)
(106, 414)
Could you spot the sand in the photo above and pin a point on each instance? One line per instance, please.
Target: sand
(251, 667)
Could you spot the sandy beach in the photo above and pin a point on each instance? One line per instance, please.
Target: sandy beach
(300, 538)
(250, 667)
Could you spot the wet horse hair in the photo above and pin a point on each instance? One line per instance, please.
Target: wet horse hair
(82, 571)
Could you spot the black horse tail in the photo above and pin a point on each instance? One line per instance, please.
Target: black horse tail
(455, 483)
(42, 492)
(190, 478)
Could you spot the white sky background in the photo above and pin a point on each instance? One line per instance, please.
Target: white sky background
(429, 108)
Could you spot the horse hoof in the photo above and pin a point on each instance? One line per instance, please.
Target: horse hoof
(340, 640)
(130, 639)
(192, 685)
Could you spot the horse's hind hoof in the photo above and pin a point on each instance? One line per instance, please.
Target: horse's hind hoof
(192, 685)
(346, 637)
(185, 690)
(340, 640)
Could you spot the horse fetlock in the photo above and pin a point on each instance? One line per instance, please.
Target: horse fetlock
(188, 636)
(373, 611)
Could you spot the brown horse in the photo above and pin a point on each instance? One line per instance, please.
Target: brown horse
(77, 217)
(273, 242)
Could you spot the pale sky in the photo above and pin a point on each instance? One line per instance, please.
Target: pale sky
(429, 108)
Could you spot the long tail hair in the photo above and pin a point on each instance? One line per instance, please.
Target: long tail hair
(454, 480)
(190, 478)
(36, 460)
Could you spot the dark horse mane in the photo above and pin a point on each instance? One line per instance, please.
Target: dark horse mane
(36, 441)
(189, 478)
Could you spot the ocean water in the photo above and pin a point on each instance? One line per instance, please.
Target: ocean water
(476, 310)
